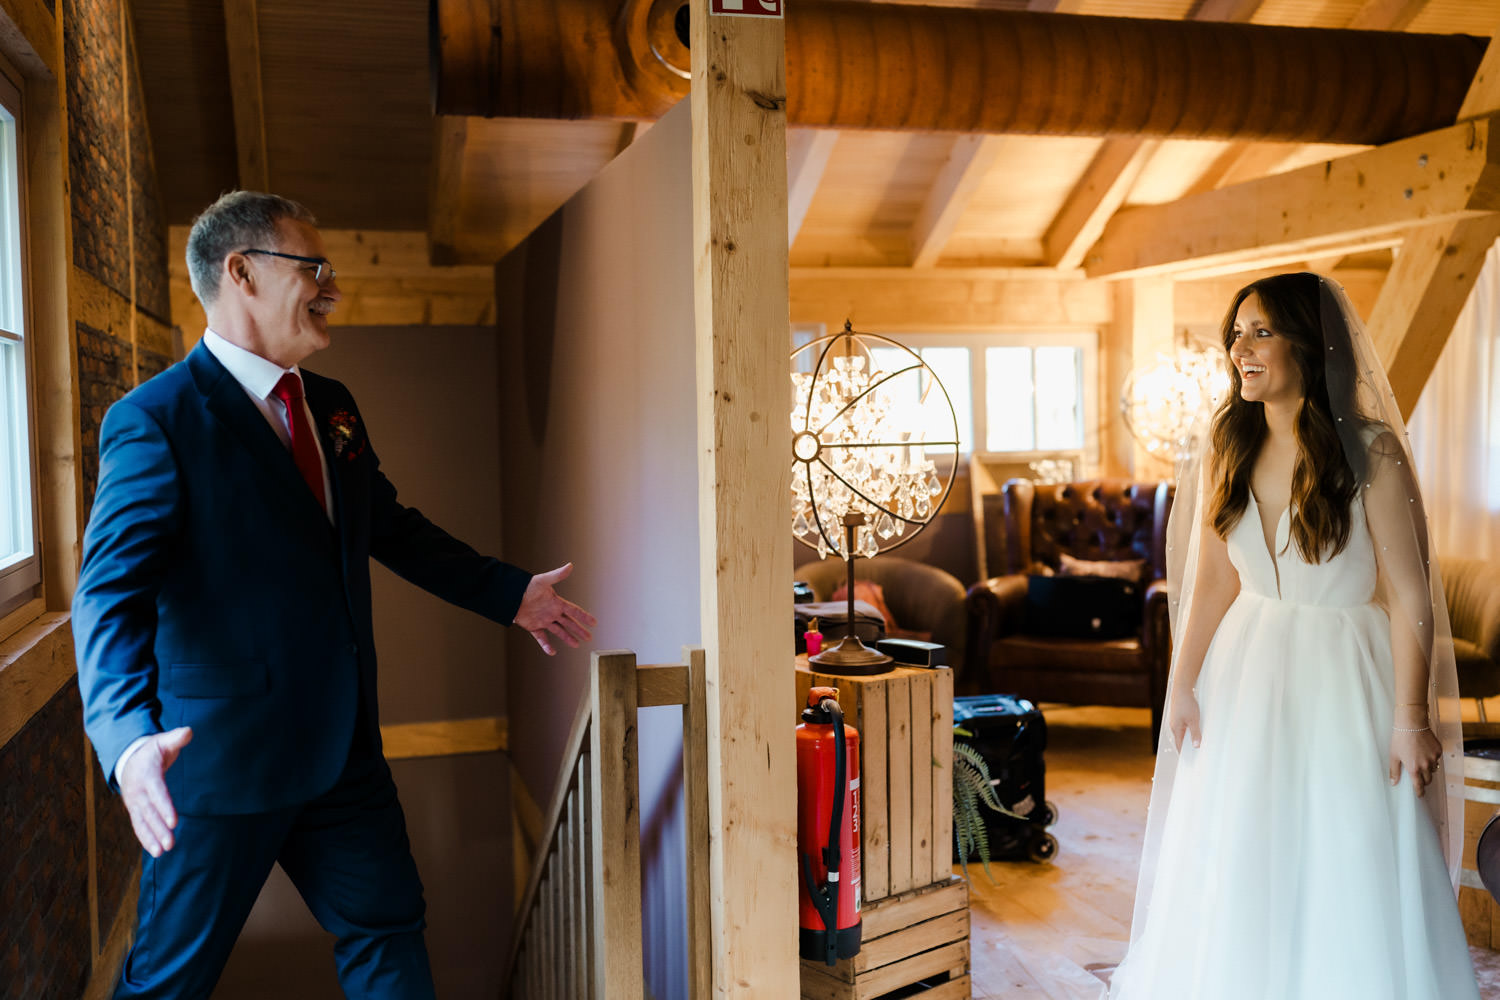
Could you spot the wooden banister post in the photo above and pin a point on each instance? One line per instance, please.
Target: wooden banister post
(619, 969)
(744, 476)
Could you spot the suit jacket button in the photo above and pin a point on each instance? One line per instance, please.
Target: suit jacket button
(353, 649)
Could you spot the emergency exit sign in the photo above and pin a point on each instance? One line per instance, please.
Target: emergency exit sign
(747, 8)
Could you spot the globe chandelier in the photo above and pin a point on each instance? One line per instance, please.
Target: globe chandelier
(865, 439)
(1162, 398)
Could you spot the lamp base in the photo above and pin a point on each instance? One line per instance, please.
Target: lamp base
(852, 658)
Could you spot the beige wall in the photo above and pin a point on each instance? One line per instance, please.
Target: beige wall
(597, 349)
(430, 398)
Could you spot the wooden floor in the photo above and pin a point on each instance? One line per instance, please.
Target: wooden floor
(1039, 932)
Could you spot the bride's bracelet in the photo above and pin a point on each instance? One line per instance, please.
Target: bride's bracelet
(1424, 729)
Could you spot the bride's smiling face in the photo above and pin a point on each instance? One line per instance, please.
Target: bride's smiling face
(1263, 357)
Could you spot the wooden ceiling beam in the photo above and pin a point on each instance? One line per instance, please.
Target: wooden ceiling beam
(1226, 10)
(1442, 176)
(1387, 15)
(808, 150)
(1435, 271)
(1422, 297)
(450, 139)
(1113, 173)
(1095, 199)
(242, 39)
(969, 159)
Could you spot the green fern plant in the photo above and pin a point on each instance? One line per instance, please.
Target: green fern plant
(972, 788)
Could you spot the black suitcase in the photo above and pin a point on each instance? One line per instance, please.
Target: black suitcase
(1011, 735)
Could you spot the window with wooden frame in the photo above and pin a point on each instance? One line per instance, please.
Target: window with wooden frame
(20, 569)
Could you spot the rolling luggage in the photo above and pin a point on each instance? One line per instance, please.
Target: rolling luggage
(1011, 735)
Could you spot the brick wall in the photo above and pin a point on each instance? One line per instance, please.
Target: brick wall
(44, 901)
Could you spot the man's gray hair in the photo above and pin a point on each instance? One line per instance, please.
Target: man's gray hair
(239, 220)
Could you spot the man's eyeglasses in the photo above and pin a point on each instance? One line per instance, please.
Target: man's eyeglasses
(323, 274)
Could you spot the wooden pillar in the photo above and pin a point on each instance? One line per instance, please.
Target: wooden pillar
(744, 398)
(1143, 329)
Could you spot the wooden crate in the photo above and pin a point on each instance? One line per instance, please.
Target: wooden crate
(921, 935)
(905, 723)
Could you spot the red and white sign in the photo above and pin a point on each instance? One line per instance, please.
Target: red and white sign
(747, 8)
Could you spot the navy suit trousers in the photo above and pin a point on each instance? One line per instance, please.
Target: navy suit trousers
(347, 853)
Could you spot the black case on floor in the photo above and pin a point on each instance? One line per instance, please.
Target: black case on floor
(1011, 735)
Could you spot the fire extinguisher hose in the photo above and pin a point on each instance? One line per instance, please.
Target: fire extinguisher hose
(826, 897)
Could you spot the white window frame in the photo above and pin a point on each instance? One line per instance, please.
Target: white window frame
(976, 342)
(20, 579)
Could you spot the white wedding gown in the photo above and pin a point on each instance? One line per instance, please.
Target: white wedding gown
(1289, 867)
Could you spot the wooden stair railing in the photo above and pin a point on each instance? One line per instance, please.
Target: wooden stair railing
(578, 927)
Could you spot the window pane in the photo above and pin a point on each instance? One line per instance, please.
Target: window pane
(15, 455)
(15, 483)
(951, 366)
(1009, 399)
(1059, 398)
(10, 227)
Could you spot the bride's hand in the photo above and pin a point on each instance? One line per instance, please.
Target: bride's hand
(1182, 719)
(1418, 754)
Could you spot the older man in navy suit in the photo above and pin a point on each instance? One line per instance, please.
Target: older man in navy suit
(225, 601)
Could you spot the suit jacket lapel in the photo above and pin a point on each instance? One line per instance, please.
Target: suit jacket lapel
(225, 398)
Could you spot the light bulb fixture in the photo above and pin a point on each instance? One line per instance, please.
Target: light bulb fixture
(1162, 397)
(864, 440)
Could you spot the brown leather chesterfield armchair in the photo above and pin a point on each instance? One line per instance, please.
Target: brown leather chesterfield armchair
(1009, 650)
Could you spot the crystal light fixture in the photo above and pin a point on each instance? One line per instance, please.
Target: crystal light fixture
(864, 442)
(1162, 397)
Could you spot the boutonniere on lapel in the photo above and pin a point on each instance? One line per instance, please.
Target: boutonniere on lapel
(343, 429)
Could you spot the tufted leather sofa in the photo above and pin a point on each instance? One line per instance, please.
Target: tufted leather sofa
(1094, 520)
(921, 598)
(1472, 588)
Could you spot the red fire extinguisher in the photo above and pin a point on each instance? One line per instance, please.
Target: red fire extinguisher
(828, 829)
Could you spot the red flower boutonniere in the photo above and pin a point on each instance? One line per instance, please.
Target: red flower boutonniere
(343, 429)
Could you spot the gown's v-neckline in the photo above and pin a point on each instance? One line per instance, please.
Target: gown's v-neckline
(1275, 537)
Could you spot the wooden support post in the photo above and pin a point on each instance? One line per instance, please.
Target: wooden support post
(744, 394)
(695, 795)
(1422, 297)
(616, 828)
(1436, 269)
(1143, 329)
(242, 36)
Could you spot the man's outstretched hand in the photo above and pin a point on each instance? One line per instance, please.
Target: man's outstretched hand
(143, 786)
(543, 611)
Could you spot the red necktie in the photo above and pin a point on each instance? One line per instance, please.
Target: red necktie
(304, 448)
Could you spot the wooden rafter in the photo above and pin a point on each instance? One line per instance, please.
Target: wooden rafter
(807, 157)
(969, 160)
(1095, 198)
(1443, 176)
(1436, 269)
(242, 38)
(445, 198)
(1422, 297)
(1387, 15)
(1226, 10)
(1108, 181)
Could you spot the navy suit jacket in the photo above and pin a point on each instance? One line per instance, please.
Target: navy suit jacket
(215, 594)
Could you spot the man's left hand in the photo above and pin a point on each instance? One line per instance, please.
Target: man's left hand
(543, 611)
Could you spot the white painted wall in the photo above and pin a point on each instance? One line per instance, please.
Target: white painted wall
(600, 468)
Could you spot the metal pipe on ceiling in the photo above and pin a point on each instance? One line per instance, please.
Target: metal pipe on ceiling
(898, 66)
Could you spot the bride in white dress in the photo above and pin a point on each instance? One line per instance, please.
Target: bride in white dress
(1310, 767)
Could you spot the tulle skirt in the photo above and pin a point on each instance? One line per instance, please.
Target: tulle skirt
(1290, 868)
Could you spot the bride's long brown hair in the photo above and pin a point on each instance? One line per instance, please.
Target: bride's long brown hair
(1303, 311)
